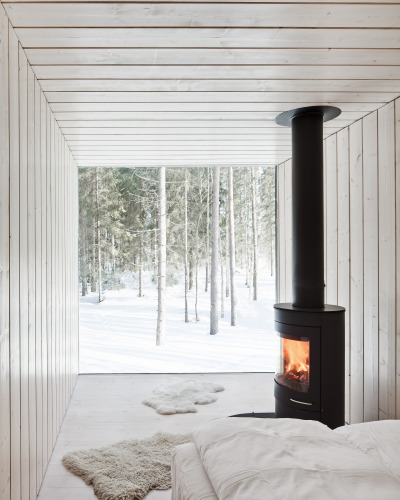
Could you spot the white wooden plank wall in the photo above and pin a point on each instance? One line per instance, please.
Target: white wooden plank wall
(15, 374)
(356, 272)
(4, 266)
(387, 262)
(342, 143)
(397, 142)
(362, 256)
(331, 241)
(38, 264)
(371, 249)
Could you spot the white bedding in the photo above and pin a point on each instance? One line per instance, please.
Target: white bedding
(279, 459)
(379, 440)
(189, 479)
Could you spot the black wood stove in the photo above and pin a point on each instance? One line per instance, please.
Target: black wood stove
(309, 380)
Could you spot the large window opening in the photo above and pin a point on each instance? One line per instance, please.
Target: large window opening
(190, 291)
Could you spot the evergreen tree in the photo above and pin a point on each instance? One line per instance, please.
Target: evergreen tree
(214, 253)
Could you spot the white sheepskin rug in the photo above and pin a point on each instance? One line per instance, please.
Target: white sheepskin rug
(182, 396)
(127, 470)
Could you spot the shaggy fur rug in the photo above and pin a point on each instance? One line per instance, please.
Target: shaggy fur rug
(127, 470)
(181, 396)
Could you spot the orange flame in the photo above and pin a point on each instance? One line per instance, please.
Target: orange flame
(296, 356)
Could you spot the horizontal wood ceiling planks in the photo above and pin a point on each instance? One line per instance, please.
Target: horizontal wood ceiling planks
(210, 14)
(225, 72)
(201, 82)
(210, 56)
(193, 107)
(209, 37)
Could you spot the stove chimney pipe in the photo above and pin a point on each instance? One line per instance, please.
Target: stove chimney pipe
(308, 201)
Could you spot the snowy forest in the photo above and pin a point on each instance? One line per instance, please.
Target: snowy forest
(202, 227)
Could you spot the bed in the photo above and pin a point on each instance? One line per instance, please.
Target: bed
(279, 459)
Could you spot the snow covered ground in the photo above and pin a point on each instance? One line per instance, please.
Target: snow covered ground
(118, 335)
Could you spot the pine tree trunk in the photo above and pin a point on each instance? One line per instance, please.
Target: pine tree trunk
(93, 258)
(191, 270)
(197, 261)
(222, 281)
(156, 264)
(250, 284)
(93, 249)
(98, 240)
(246, 241)
(140, 292)
(272, 254)
(208, 227)
(232, 259)
(214, 253)
(162, 256)
(84, 256)
(226, 256)
(114, 281)
(186, 247)
(227, 289)
(255, 236)
(197, 276)
(141, 218)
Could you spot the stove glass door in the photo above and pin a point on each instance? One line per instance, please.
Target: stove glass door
(293, 369)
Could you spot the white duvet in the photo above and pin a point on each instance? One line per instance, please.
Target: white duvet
(267, 459)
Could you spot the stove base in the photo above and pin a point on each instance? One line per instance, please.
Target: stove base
(255, 415)
(286, 411)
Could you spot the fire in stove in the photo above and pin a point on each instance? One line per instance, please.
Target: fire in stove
(294, 371)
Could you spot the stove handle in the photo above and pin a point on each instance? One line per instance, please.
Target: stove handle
(300, 402)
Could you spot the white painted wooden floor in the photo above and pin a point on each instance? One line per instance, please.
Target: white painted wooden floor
(107, 408)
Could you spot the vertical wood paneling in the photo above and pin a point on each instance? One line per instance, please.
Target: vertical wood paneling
(331, 221)
(68, 273)
(38, 287)
(397, 143)
(61, 203)
(31, 285)
(66, 277)
(49, 310)
(37, 260)
(14, 269)
(371, 337)
(75, 297)
(56, 277)
(356, 274)
(64, 192)
(43, 187)
(23, 269)
(288, 231)
(387, 263)
(53, 283)
(281, 232)
(62, 277)
(344, 249)
(4, 265)
(363, 260)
